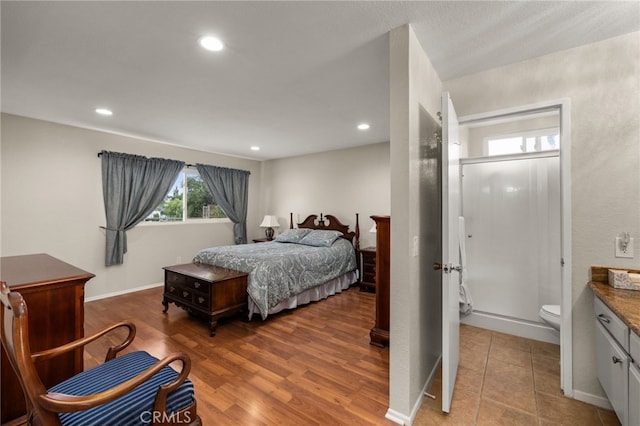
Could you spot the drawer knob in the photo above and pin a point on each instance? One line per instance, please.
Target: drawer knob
(201, 300)
(172, 289)
(616, 360)
(603, 318)
(196, 284)
(185, 293)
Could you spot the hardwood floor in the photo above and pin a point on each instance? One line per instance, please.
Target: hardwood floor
(310, 366)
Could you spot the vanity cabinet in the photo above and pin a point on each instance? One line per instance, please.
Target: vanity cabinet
(613, 371)
(634, 380)
(616, 371)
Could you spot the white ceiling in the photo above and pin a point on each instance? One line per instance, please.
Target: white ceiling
(295, 77)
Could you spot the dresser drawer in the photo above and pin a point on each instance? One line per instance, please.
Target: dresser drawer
(171, 278)
(612, 323)
(369, 257)
(369, 277)
(197, 285)
(202, 301)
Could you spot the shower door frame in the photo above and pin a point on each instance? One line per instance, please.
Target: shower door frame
(563, 106)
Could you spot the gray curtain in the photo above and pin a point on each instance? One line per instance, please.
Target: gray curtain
(230, 190)
(132, 187)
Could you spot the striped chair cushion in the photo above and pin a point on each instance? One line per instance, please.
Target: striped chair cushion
(134, 408)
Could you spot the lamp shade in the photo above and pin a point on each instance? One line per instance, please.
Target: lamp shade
(269, 221)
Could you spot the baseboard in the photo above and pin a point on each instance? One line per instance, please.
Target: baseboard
(514, 326)
(397, 418)
(598, 401)
(402, 419)
(121, 292)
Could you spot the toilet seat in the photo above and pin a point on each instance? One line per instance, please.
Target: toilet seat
(552, 310)
(551, 315)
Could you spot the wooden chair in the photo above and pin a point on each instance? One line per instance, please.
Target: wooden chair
(132, 389)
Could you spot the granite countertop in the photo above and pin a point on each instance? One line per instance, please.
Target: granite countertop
(624, 303)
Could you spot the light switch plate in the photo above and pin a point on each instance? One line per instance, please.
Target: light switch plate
(627, 253)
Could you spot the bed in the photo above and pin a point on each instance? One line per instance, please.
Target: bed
(304, 264)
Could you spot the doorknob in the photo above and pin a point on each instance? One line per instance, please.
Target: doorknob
(445, 268)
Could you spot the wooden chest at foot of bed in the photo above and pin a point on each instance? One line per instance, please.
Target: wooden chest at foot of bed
(205, 291)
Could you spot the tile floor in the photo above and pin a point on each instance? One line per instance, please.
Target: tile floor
(508, 380)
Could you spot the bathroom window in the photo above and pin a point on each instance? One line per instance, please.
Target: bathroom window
(531, 141)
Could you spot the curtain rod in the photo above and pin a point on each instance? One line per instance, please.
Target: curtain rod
(186, 165)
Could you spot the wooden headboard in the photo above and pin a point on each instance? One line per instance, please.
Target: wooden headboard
(312, 222)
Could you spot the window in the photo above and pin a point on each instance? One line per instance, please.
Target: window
(188, 199)
(533, 141)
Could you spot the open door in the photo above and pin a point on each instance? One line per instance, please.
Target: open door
(450, 264)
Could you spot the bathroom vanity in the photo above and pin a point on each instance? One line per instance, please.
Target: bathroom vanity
(617, 321)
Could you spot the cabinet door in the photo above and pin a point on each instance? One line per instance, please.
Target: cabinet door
(613, 367)
(634, 394)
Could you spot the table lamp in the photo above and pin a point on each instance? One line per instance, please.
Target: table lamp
(269, 222)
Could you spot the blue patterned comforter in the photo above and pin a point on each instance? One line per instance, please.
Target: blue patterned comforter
(278, 271)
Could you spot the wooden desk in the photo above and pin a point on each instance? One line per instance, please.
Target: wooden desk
(54, 293)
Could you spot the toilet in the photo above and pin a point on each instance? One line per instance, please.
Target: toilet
(551, 315)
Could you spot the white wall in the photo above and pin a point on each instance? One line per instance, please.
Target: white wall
(413, 83)
(52, 203)
(603, 81)
(341, 182)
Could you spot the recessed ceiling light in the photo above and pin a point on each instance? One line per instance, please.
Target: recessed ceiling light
(104, 111)
(363, 126)
(255, 148)
(211, 43)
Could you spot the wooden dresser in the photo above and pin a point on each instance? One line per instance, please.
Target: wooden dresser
(380, 332)
(54, 293)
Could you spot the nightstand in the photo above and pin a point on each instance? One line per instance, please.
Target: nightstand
(368, 262)
(261, 240)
